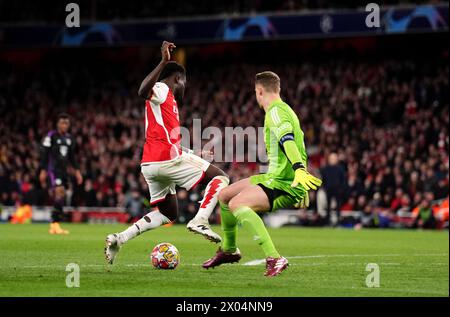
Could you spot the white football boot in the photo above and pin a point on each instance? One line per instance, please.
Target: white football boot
(202, 227)
(112, 247)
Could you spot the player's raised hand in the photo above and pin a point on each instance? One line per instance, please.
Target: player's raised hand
(166, 49)
(305, 179)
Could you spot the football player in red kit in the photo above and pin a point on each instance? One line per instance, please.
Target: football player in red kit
(165, 163)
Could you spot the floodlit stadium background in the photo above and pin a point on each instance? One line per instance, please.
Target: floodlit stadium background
(378, 98)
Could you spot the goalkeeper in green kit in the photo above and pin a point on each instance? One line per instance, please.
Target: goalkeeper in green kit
(285, 184)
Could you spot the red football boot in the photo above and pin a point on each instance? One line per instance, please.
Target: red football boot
(275, 266)
(222, 257)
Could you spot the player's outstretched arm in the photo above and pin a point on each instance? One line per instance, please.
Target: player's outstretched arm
(302, 176)
(283, 130)
(145, 90)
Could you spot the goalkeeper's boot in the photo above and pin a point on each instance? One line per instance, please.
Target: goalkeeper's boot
(275, 266)
(55, 228)
(201, 226)
(112, 247)
(222, 257)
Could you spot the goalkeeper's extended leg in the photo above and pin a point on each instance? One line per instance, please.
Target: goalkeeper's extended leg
(228, 252)
(244, 205)
(248, 218)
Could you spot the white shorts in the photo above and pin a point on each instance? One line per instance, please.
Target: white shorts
(185, 171)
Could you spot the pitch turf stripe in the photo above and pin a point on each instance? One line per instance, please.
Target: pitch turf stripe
(384, 289)
(148, 265)
(194, 264)
(262, 261)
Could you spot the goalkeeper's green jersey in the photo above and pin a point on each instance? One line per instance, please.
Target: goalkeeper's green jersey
(281, 121)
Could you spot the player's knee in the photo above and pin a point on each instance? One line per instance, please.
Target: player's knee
(224, 196)
(235, 203)
(223, 179)
(220, 172)
(214, 171)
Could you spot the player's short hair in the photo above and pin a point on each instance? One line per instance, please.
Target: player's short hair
(269, 80)
(172, 68)
(62, 115)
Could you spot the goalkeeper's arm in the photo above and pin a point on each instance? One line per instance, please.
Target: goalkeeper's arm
(302, 176)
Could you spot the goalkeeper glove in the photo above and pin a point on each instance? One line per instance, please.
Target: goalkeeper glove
(303, 202)
(304, 178)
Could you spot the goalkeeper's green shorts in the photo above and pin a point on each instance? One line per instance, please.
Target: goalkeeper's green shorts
(279, 192)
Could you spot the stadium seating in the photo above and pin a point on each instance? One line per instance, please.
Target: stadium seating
(386, 119)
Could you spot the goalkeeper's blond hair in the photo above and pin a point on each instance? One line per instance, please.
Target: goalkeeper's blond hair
(269, 80)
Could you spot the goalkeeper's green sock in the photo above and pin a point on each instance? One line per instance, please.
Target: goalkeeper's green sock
(229, 228)
(254, 224)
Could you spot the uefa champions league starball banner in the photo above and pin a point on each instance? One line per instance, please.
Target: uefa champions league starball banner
(312, 24)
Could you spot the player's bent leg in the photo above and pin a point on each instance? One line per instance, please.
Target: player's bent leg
(228, 252)
(114, 242)
(229, 228)
(57, 212)
(234, 189)
(253, 197)
(244, 207)
(165, 212)
(215, 180)
(229, 222)
(211, 172)
(275, 266)
(112, 247)
(222, 257)
(169, 207)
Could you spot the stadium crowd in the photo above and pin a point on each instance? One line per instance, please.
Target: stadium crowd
(382, 125)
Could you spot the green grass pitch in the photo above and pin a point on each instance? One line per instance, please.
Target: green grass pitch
(323, 262)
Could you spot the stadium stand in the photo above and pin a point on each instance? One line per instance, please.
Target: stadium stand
(386, 118)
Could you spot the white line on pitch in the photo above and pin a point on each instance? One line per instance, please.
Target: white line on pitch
(192, 264)
(262, 261)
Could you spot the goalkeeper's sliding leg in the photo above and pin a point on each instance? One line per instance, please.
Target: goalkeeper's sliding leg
(240, 203)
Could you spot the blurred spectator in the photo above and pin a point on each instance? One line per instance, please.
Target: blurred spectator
(135, 205)
(89, 194)
(334, 184)
(369, 218)
(386, 120)
(22, 215)
(425, 218)
(397, 202)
